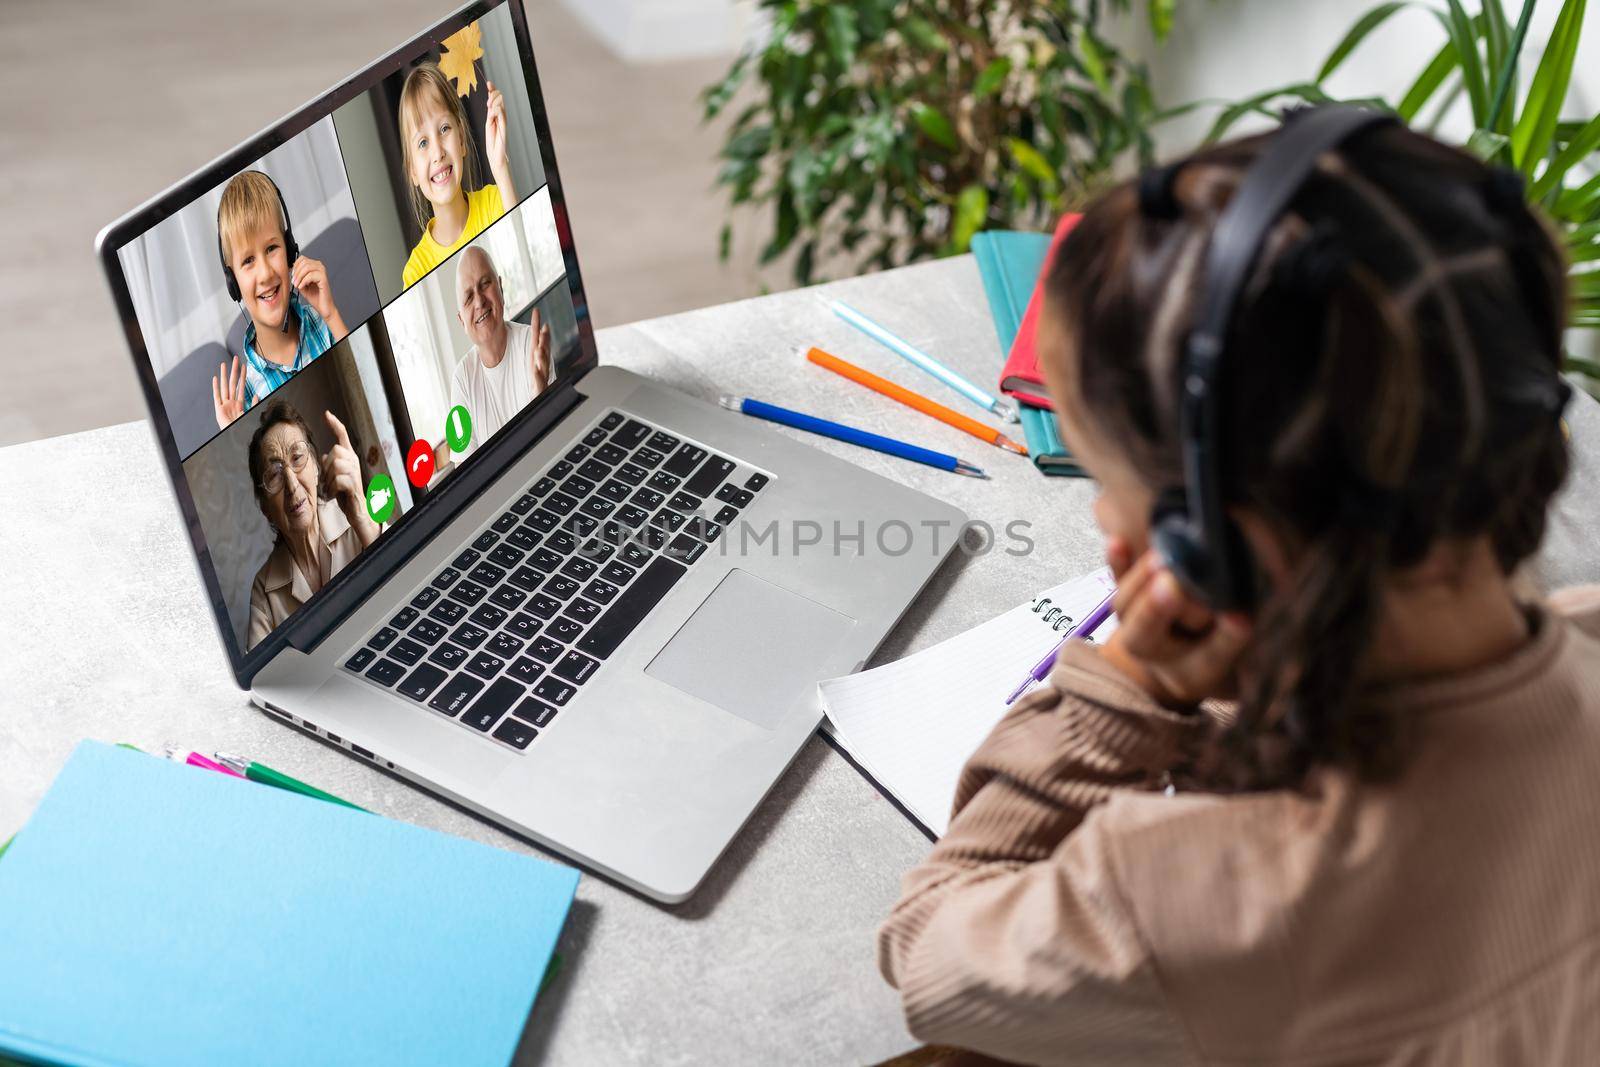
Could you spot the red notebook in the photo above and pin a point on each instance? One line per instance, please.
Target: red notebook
(1020, 378)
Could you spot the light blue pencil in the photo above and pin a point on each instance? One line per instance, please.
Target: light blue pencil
(988, 401)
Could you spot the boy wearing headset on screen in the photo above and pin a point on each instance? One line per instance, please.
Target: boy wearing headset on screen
(441, 164)
(285, 295)
(1328, 794)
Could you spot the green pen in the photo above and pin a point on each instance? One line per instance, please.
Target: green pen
(260, 772)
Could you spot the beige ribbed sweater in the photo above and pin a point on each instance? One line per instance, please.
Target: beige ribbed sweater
(1075, 914)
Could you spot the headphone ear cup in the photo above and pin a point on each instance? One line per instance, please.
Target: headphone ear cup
(1178, 544)
(227, 271)
(1242, 566)
(1184, 550)
(1184, 556)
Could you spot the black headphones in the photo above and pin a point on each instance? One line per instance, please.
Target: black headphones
(1190, 528)
(289, 246)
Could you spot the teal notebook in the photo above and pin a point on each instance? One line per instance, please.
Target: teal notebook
(1009, 264)
(1045, 446)
(154, 913)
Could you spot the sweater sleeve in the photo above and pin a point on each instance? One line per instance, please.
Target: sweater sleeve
(1012, 938)
(1581, 605)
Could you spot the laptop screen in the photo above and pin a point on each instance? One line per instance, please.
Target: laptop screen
(341, 322)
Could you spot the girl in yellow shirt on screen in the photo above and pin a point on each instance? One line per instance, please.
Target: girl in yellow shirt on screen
(441, 163)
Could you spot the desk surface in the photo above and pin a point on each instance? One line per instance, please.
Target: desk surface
(107, 635)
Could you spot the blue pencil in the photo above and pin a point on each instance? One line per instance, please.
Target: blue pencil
(851, 435)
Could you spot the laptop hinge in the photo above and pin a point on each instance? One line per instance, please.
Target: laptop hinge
(372, 569)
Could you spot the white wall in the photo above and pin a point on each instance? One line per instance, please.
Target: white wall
(1229, 49)
(658, 30)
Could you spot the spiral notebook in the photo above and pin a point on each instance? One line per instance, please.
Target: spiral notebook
(913, 724)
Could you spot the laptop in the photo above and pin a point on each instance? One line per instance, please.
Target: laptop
(436, 531)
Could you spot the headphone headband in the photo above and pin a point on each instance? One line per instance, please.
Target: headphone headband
(1199, 542)
(1264, 194)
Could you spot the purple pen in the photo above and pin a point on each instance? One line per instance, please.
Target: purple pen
(1086, 628)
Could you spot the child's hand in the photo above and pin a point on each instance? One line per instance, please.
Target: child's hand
(494, 138)
(1173, 646)
(311, 278)
(539, 353)
(227, 393)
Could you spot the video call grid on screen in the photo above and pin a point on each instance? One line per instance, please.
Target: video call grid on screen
(376, 360)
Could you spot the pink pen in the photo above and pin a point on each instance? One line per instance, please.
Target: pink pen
(195, 759)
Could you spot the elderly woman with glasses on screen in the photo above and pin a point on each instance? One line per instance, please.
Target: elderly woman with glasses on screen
(315, 507)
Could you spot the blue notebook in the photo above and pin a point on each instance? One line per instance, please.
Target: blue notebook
(154, 913)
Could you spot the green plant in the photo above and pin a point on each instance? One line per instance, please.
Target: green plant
(892, 130)
(1480, 58)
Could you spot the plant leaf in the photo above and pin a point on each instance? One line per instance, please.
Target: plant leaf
(1364, 25)
(972, 209)
(1257, 105)
(717, 95)
(1442, 108)
(1463, 34)
(1487, 144)
(1168, 113)
(1428, 82)
(1161, 17)
(920, 32)
(993, 78)
(786, 224)
(749, 144)
(1497, 35)
(1585, 141)
(932, 122)
(840, 29)
(1530, 139)
(1506, 88)
(1034, 164)
(1587, 252)
(1580, 204)
(805, 262)
(1094, 63)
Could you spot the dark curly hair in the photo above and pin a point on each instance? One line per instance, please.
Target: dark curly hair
(276, 413)
(1391, 384)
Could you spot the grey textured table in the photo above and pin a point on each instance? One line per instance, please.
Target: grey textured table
(106, 635)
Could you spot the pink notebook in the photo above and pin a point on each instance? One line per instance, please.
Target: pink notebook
(1020, 378)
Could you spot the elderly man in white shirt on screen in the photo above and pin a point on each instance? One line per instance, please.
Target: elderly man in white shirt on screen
(508, 363)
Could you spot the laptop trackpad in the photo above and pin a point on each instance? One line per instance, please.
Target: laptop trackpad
(751, 647)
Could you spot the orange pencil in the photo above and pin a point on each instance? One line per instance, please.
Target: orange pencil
(914, 400)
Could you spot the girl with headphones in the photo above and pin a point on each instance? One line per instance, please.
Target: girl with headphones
(1327, 795)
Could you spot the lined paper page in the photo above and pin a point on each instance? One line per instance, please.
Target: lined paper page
(913, 723)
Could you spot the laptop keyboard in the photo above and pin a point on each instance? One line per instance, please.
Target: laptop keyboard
(529, 610)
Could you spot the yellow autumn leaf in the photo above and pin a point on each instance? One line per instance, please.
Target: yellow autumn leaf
(459, 51)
